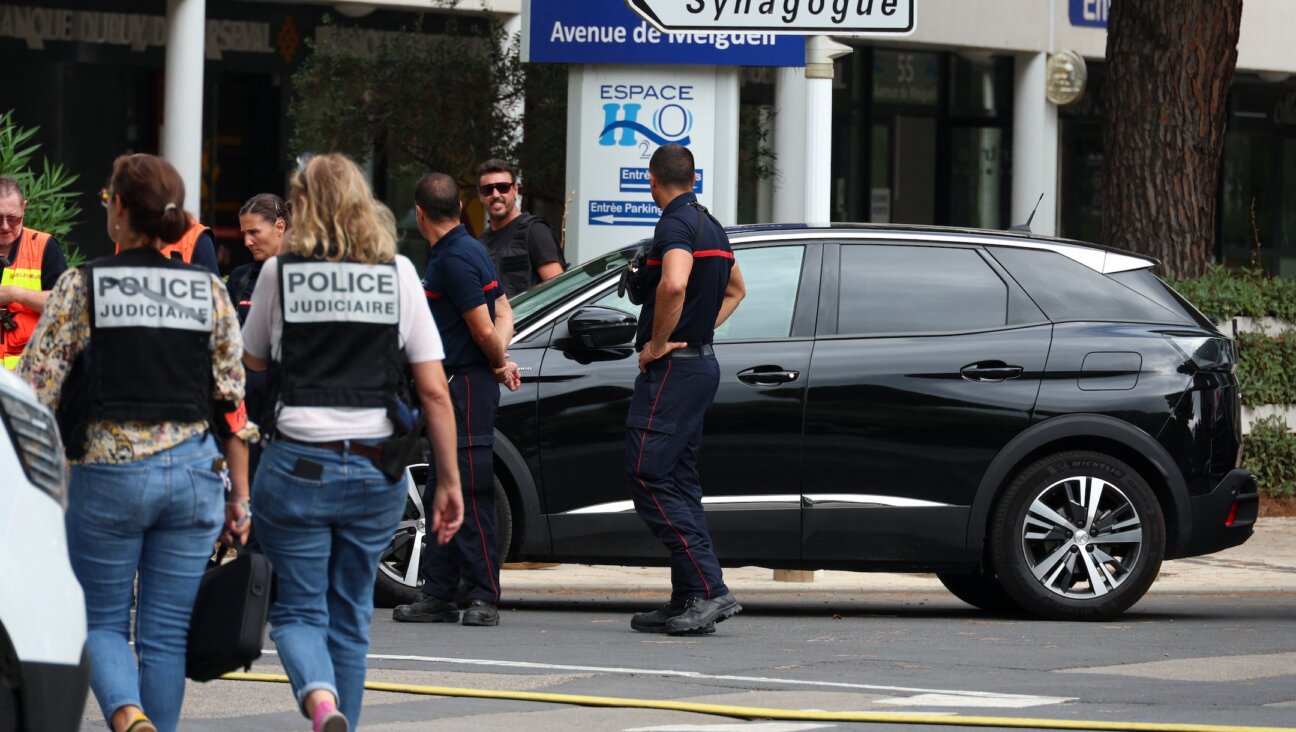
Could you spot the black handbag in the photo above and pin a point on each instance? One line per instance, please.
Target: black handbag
(228, 624)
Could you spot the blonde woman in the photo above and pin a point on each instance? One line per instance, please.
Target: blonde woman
(339, 319)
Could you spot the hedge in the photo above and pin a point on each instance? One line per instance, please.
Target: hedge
(1270, 453)
(1267, 368)
(1228, 293)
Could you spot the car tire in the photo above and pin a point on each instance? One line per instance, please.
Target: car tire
(397, 583)
(980, 590)
(1077, 536)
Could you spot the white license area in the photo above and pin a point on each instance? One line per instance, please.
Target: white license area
(149, 297)
(325, 292)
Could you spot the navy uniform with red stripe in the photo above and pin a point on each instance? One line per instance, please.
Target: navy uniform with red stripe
(664, 425)
(460, 277)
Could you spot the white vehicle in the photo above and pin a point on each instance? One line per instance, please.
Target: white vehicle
(44, 673)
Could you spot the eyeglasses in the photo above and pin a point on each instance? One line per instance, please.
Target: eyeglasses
(11, 221)
(486, 188)
(104, 197)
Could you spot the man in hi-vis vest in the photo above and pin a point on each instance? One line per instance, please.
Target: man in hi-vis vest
(32, 262)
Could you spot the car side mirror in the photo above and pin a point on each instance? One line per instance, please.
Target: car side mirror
(596, 326)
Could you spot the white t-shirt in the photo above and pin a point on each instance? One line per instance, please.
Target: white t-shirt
(264, 329)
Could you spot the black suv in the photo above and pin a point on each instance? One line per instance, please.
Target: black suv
(1039, 422)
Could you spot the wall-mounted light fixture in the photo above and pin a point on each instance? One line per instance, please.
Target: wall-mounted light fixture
(1065, 78)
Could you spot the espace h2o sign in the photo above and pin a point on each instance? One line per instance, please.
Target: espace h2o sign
(661, 106)
(799, 17)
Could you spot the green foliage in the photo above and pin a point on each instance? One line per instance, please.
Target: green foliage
(1267, 368)
(422, 101)
(51, 202)
(1228, 293)
(1271, 454)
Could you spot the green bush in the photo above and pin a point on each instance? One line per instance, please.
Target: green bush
(1227, 293)
(1267, 368)
(1271, 454)
(51, 202)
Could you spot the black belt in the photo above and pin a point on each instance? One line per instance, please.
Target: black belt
(341, 447)
(692, 352)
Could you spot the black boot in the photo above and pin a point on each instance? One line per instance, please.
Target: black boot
(654, 621)
(480, 612)
(701, 612)
(428, 609)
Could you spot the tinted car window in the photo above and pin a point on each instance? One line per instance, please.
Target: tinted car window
(907, 289)
(1149, 285)
(772, 276)
(542, 296)
(1067, 290)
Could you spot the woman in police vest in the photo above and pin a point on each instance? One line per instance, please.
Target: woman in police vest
(139, 355)
(340, 321)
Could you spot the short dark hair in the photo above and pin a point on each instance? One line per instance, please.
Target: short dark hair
(9, 187)
(437, 195)
(672, 165)
(498, 165)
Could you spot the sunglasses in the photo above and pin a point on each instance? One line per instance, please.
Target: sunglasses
(486, 188)
(11, 221)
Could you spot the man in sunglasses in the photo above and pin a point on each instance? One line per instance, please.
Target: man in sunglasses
(32, 262)
(521, 245)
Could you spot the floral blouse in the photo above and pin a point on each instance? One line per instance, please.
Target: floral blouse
(64, 331)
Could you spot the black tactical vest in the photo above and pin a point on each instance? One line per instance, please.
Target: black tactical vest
(341, 334)
(149, 356)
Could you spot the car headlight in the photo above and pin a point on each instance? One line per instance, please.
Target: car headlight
(36, 438)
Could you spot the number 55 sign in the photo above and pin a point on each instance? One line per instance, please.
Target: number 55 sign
(801, 17)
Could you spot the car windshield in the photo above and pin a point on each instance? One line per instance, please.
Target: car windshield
(539, 298)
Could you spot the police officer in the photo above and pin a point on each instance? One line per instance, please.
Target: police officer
(140, 356)
(340, 317)
(476, 324)
(521, 245)
(30, 263)
(700, 286)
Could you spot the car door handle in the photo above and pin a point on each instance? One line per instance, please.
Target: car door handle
(990, 371)
(767, 375)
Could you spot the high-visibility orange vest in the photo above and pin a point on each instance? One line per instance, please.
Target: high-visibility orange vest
(185, 246)
(25, 272)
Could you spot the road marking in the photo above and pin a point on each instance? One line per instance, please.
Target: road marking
(1213, 668)
(983, 699)
(732, 727)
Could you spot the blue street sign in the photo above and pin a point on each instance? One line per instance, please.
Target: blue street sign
(608, 32)
(635, 180)
(1090, 13)
(623, 213)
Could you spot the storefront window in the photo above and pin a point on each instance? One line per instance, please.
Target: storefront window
(922, 138)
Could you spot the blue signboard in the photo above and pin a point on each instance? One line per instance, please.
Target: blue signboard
(623, 213)
(1090, 13)
(608, 32)
(635, 180)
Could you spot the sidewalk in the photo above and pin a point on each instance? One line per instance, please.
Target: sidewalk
(1265, 563)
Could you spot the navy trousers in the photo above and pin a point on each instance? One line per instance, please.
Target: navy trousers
(663, 434)
(473, 553)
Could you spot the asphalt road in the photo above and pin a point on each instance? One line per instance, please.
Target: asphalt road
(1201, 658)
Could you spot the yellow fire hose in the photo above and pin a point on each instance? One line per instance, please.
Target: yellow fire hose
(800, 715)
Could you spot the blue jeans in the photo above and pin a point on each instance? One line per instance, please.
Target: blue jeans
(159, 517)
(323, 518)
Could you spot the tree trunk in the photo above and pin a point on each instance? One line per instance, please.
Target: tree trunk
(1169, 67)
